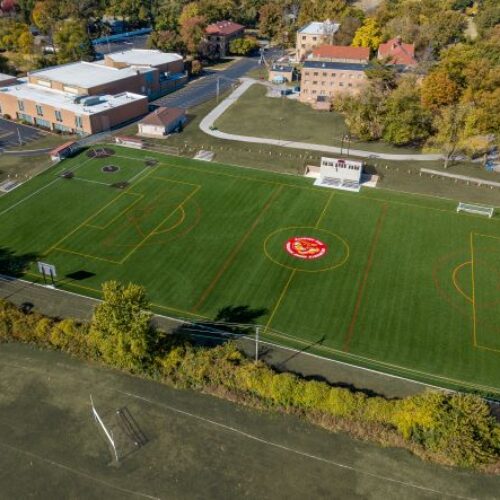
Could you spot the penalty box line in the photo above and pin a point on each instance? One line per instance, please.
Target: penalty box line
(473, 301)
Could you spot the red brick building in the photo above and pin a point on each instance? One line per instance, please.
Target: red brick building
(397, 52)
(221, 33)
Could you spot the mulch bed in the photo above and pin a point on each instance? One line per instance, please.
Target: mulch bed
(100, 153)
(109, 169)
(120, 185)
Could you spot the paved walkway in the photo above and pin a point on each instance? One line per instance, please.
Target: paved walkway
(207, 125)
(59, 303)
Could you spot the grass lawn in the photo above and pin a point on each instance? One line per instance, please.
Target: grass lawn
(402, 283)
(254, 114)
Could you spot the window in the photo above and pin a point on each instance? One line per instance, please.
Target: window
(20, 105)
(303, 38)
(341, 84)
(39, 110)
(303, 45)
(314, 38)
(313, 91)
(315, 83)
(349, 84)
(325, 74)
(58, 116)
(78, 122)
(306, 73)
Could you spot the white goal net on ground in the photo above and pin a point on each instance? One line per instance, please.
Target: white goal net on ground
(476, 209)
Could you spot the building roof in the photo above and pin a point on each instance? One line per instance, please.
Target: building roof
(320, 28)
(64, 101)
(86, 75)
(335, 65)
(281, 68)
(5, 78)
(143, 57)
(62, 147)
(341, 52)
(162, 116)
(223, 28)
(398, 52)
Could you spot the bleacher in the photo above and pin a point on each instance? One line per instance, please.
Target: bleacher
(337, 183)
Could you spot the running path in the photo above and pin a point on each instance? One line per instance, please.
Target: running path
(207, 126)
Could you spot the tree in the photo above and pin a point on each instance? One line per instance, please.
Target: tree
(347, 30)
(271, 22)
(189, 11)
(72, 40)
(438, 90)
(449, 124)
(45, 15)
(243, 46)
(192, 33)
(406, 121)
(368, 35)
(120, 329)
(167, 41)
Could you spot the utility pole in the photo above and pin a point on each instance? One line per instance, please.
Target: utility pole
(257, 331)
(218, 89)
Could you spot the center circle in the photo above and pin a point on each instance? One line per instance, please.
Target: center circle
(306, 248)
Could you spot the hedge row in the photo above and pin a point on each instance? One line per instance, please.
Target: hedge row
(445, 427)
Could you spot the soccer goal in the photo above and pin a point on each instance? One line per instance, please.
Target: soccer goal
(476, 209)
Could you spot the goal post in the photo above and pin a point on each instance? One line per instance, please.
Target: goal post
(476, 209)
(107, 433)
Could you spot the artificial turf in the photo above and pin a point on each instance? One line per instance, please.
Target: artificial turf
(407, 285)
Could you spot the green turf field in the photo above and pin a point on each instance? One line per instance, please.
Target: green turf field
(406, 285)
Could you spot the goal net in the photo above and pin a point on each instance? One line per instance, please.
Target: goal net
(476, 209)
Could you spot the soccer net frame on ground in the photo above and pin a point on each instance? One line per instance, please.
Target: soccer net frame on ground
(476, 209)
(120, 430)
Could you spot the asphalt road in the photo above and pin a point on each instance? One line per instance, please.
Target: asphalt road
(10, 133)
(205, 87)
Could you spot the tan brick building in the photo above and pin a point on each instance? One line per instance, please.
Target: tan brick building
(313, 35)
(86, 98)
(323, 81)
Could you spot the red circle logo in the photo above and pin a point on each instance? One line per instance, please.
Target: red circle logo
(303, 247)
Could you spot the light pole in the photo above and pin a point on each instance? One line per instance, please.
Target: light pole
(257, 332)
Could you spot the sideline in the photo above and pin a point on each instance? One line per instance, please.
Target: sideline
(207, 126)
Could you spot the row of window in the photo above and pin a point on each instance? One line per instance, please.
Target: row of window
(340, 75)
(332, 84)
(57, 114)
(320, 92)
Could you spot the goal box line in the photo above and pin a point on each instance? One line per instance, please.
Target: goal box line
(476, 209)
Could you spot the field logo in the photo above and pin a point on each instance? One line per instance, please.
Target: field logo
(303, 247)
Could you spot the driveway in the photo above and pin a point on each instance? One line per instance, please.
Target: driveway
(10, 133)
(207, 125)
(205, 88)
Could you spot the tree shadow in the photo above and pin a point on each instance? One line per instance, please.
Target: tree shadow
(14, 265)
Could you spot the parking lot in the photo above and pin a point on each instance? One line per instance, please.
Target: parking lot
(11, 134)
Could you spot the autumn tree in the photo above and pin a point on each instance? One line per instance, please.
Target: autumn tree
(368, 35)
(192, 33)
(243, 46)
(406, 121)
(271, 21)
(438, 90)
(167, 41)
(72, 40)
(120, 329)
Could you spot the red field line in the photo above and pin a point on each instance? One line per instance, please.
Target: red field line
(235, 251)
(362, 286)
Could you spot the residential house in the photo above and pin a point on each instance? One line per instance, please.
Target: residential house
(220, 34)
(398, 53)
(313, 35)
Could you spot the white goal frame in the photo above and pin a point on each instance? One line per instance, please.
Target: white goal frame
(475, 209)
(108, 434)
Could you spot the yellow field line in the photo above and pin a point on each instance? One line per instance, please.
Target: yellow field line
(175, 181)
(474, 338)
(124, 211)
(327, 204)
(86, 255)
(139, 245)
(280, 299)
(177, 224)
(88, 219)
(455, 282)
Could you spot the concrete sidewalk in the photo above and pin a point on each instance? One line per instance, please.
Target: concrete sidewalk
(60, 303)
(207, 125)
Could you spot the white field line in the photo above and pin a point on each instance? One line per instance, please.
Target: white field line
(26, 198)
(82, 179)
(277, 346)
(292, 450)
(77, 472)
